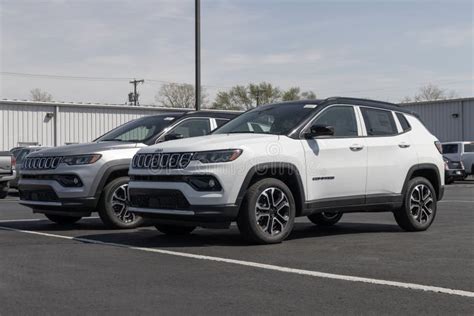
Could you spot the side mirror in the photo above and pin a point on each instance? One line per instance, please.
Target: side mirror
(173, 136)
(320, 130)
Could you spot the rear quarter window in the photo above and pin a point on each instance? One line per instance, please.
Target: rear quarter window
(221, 122)
(403, 122)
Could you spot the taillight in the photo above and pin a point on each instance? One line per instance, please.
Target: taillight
(13, 162)
(439, 147)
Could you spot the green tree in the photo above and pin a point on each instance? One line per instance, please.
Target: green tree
(247, 97)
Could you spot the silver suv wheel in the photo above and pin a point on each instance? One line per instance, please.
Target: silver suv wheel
(272, 211)
(120, 205)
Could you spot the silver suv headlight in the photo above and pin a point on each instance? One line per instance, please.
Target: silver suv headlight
(81, 159)
(217, 156)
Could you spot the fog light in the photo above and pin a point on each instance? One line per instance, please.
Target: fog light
(203, 183)
(69, 180)
(212, 183)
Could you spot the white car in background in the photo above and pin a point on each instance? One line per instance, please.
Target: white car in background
(461, 151)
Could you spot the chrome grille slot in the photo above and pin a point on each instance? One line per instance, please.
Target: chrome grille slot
(161, 161)
(41, 163)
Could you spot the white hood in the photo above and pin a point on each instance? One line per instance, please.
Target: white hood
(211, 142)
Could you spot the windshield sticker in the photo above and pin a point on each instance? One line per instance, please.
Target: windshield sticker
(310, 106)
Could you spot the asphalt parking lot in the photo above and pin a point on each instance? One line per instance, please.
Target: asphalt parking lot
(364, 265)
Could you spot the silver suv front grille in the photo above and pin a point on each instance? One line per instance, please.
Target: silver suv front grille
(161, 161)
(41, 163)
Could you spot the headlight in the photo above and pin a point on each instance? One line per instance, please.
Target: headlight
(217, 156)
(81, 160)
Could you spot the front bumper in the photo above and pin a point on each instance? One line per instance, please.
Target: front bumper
(455, 174)
(8, 177)
(44, 199)
(170, 206)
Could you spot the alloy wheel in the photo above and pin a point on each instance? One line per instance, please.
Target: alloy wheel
(120, 205)
(272, 211)
(421, 203)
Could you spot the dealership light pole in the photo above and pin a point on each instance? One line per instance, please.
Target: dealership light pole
(198, 53)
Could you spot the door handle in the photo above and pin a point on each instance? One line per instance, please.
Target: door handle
(356, 147)
(403, 145)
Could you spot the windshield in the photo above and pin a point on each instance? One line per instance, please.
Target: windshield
(138, 131)
(278, 119)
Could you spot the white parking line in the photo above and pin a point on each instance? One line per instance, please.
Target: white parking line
(36, 219)
(455, 201)
(411, 286)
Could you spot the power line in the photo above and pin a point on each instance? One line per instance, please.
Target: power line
(90, 78)
(303, 86)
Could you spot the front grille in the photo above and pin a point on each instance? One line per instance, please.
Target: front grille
(39, 195)
(158, 199)
(161, 161)
(41, 163)
(159, 178)
(39, 176)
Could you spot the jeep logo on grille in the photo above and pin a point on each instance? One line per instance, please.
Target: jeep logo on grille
(161, 161)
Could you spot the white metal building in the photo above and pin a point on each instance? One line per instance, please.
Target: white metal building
(56, 124)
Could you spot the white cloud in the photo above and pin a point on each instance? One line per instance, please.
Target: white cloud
(294, 57)
(446, 36)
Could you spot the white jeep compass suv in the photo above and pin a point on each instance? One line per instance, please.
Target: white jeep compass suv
(318, 158)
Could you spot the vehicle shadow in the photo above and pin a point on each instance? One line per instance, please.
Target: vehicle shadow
(150, 238)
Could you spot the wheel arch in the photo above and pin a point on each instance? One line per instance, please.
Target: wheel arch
(429, 172)
(110, 174)
(286, 172)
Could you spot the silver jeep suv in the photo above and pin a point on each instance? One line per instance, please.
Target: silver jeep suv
(69, 182)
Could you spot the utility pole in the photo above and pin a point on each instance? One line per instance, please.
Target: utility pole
(198, 53)
(133, 97)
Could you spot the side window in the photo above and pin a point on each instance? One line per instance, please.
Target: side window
(221, 122)
(192, 128)
(450, 148)
(379, 122)
(403, 122)
(341, 118)
(469, 148)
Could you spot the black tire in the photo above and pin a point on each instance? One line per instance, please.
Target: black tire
(449, 181)
(174, 230)
(63, 220)
(117, 216)
(325, 218)
(406, 217)
(251, 228)
(4, 191)
(3, 194)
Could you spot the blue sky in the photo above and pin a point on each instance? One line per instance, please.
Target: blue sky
(377, 49)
